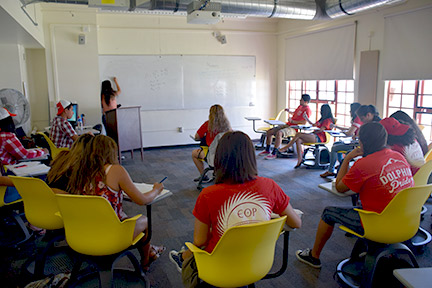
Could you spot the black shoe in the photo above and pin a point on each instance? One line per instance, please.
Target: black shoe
(306, 257)
(205, 179)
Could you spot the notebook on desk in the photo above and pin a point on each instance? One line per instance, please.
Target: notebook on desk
(28, 169)
(145, 188)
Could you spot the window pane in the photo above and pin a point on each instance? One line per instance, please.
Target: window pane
(394, 100)
(392, 110)
(427, 86)
(342, 85)
(425, 101)
(395, 87)
(350, 97)
(350, 85)
(341, 97)
(408, 101)
(410, 112)
(409, 86)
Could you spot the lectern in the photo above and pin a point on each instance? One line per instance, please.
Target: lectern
(124, 126)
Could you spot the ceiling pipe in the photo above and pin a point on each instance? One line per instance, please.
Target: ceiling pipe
(288, 9)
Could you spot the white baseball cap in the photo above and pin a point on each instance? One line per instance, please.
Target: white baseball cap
(61, 106)
(4, 113)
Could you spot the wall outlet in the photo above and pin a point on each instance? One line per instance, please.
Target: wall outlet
(81, 39)
(180, 129)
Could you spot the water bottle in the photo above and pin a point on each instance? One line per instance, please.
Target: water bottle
(83, 119)
(80, 124)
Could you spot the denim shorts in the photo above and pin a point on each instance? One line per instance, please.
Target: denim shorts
(347, 217)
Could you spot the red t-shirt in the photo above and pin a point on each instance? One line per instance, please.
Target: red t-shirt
(222, 206)
(298, 114)
(326, 124)
(357, 123)
(203, 131)
(378, 177)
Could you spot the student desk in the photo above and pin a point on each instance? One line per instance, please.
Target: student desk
(414, 277)
(330, 187)
(143, 189)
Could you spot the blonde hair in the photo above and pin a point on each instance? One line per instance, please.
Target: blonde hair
(65, 160)
(218, 122)
(102, 150)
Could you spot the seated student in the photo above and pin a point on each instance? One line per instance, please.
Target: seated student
(401, 138)
(11, 149)
(403, 117)
(217, 123)
(98, 173)
(367, 177)
(317, 136)
(340, 145)
(368, 113)
(62, 133)
(238, 186)
(285, 130)
(61, 166)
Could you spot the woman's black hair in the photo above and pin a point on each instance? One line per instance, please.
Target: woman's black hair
(365, 109)
(326, 113)
(402, 116)
(373, 137)
(106, 91)
(7, 125)
(353, 109)
(403, 140)
(235, 160)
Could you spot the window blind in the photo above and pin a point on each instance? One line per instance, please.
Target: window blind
(321, 55)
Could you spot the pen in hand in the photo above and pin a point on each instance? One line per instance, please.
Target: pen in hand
(163, 179)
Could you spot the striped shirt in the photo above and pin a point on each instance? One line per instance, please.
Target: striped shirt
(62, 132)
(12, 150)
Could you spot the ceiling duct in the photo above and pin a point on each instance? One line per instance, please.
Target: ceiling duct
(289, 9)
(338, 8)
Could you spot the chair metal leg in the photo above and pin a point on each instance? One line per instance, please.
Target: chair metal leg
(284, 258)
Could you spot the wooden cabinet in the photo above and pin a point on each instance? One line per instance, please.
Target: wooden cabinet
(124, 126)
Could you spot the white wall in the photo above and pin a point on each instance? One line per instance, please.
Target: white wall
(37, 88)
(370, 36)
(73, 69)
(10, 74)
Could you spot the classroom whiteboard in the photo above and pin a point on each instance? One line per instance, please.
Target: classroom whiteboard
(181, 81)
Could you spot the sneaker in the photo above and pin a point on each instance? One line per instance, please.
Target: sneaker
(205, 178)
(270, 157)
(176, 258)
(264, 153)
(306, 257)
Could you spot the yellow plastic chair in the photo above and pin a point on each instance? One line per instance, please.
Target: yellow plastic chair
(428, 156)
(385, 231)
(243, 255)
(54, 151)
(93, 229)
(41, 210)
(263, 130)
(316, 149)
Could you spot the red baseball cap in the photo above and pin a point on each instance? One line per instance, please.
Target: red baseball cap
(4, 113)
(394, 127)
(61, 106)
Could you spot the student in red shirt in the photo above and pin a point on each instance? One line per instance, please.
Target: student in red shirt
(281, 131)
(217, 123)
(238, 188)
(377, 178)
(340, 145)
(402, 138)
(317, 136)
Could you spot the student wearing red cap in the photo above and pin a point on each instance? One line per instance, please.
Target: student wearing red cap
(11, 148)
(62, 133)
(402, 138)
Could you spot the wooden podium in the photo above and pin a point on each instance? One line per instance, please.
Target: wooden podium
(124, 126)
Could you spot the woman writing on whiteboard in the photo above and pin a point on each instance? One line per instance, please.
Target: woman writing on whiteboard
(109, 97)
(217, 123)
(97, 172)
